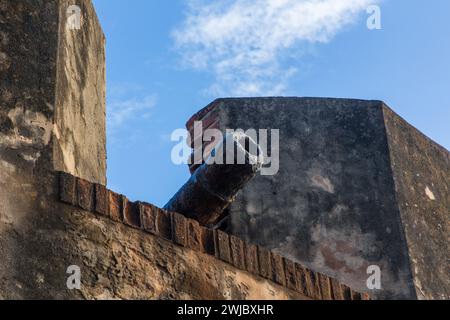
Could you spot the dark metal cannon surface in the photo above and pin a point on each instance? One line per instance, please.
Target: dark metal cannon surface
(215, 184)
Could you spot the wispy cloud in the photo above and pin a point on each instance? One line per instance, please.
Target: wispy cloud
(127, 102)
(122, 110)
(244, 42)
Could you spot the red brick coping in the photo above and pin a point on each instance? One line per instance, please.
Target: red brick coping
(188, 233)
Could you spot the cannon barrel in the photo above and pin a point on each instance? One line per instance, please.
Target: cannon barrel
(215, 184)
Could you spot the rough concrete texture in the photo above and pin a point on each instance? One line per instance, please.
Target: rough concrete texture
(26, 89)
(52, 85)
(28, 47)
(421, 171)
(334, 206)
(79, 145)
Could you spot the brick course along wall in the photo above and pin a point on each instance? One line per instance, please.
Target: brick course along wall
(189, 234)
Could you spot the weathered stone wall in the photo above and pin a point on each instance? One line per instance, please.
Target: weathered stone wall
(421, 172)
(52, 88)
(295, 280)
(138, 251)
(121, 263)
(332, 204)
(79, 131)
(28, 47)
(357, 186)
(52, 117)
(116, 261)
(30, 67)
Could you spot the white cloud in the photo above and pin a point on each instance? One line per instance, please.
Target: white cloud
(126, 102)
(244, 42)
(122, 110)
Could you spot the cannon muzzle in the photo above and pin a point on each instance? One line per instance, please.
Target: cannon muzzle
(215, 184)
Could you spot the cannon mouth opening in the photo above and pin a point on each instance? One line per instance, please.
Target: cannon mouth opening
(237, 148)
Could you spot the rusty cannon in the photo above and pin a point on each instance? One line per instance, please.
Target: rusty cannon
(215, 184)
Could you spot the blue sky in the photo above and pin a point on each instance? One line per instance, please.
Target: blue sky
(168, 59)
